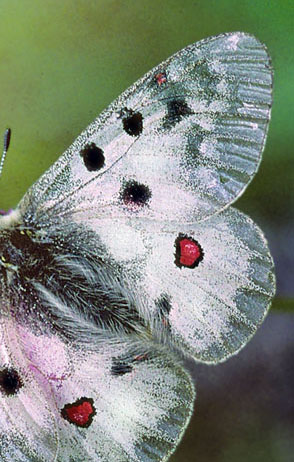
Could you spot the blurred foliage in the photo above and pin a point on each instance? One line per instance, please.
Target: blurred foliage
(284, 305)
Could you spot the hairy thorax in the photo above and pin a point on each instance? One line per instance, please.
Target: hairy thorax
(23, 255)
(48, 278)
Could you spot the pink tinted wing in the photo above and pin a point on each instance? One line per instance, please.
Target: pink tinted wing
(121, 400)
(28, 430)
(123, 403)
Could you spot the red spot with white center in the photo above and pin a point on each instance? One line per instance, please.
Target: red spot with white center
(79, 413)
(161, 78)
(189, 253)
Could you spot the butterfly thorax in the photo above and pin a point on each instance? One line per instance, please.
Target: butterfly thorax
(22, 255)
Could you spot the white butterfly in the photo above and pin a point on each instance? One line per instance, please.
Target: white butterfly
(125, 253)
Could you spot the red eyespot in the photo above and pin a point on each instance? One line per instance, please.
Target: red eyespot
(160, 78)
(189, 253)
(80, 413)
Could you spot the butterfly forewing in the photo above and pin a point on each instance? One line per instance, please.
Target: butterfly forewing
(180, 144)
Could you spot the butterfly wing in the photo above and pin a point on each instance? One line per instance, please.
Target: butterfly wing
(151, 159)
(28, 429)
(180, 144)
(121, 401)
(141, 402)
(207, 286)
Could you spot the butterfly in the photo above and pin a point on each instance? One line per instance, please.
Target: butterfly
(125, 257)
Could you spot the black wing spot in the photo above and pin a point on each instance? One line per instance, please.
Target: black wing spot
(176, 110)
(132, 122)
(120, 368)
(164, 306)
(93, 157)
(134, 193)
(10, 381)
(125, 364)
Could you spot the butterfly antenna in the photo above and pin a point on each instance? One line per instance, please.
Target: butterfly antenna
(7, 136)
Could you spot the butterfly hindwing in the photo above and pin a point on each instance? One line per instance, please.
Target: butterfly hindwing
(207, 286)
(28, 431)
(191, 130)
(218, 279)
(121, 401)
(139, 402)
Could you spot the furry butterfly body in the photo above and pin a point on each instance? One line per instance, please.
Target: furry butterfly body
(124, 254)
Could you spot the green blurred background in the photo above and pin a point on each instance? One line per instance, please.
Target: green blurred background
(61, 63)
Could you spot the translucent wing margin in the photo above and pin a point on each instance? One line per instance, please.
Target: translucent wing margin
(191, 130)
